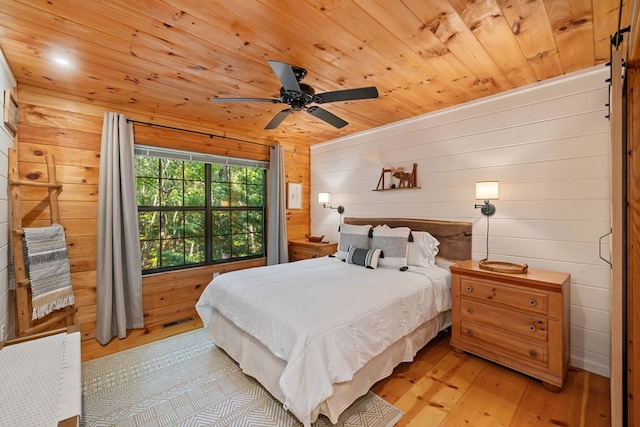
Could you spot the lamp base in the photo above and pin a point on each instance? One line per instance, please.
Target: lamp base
(503, 267)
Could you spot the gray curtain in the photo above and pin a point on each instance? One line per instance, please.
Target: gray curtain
(119, 280)
(277, 250)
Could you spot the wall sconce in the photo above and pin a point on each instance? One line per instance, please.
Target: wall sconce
(325, 198)
(487, 190)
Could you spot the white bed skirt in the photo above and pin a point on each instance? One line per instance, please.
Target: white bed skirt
(258, 362)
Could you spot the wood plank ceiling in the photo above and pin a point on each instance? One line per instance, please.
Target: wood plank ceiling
(168, 58)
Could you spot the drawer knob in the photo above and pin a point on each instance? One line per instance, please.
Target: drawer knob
(532, 328)
(469, 332)
(470, 310)
(469, 288)
(532, 353)
(533, 303)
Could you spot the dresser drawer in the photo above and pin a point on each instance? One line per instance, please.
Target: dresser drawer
(522, 299)
(499, 319)
(497, 346)
(298, 253)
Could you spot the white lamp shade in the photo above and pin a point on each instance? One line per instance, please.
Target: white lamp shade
(324, 197)
(487, 190)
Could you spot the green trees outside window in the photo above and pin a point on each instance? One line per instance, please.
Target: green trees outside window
(193, 213)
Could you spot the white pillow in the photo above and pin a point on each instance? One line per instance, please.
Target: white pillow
(394, 243)
(352, 235)
(423, 250)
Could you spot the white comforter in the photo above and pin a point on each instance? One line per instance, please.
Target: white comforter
(325, 318)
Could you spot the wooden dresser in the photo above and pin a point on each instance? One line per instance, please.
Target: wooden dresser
(304, 249)
(518, 320)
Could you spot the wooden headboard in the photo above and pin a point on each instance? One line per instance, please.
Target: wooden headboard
(454, 236)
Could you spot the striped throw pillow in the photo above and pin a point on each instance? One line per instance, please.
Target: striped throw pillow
(366, 257)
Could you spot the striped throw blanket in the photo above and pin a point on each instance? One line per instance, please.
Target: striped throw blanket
(47, 264)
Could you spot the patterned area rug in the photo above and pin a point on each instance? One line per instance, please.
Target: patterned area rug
(186, 380)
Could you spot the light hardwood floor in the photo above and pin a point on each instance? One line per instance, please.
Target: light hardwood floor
(444, 388)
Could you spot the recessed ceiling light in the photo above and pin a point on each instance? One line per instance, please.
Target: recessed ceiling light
(62, 61)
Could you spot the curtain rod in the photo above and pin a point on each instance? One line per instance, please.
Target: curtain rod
(210, 135)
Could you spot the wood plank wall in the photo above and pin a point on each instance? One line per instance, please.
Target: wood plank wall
(7, 82)
(547, 145)
(71, 130)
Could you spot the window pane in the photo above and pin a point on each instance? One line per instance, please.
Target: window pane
(221, 247)
(238, 195)
(147, 166)
(220, 194)
(149, 225)
(238, 174)
(171, 192)
(194, 251)
(194, 171)
(255, 227)
(254, 243)
(171, 169)
(150, 250)
(219, 173)
(238, 222)
(172, 252)
(194, 224)
(172, 225)
(240, 246)
(147, 191)
(194, 193)
(255, 221)
(221, 223)
(254, 195)
(255, 176)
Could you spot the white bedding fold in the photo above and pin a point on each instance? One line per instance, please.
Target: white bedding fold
(325, 318)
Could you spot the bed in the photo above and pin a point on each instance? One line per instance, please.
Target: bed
(318, 333)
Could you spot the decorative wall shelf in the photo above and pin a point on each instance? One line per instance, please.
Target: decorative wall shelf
(397, 188)
(406, 179)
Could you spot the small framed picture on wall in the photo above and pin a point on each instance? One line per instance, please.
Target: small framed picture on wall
(294, 195)
(10, 113)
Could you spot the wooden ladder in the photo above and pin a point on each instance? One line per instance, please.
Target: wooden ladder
(25, 325)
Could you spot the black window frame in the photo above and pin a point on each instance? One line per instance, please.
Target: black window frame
(209, 209)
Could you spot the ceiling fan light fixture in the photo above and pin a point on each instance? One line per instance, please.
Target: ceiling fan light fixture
(299, 95)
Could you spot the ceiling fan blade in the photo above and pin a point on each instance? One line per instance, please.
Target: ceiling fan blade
(328, 117)
(346, 95)
(273, 101)
(278, 118)
(287, 77)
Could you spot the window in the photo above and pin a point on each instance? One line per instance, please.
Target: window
(197, 210)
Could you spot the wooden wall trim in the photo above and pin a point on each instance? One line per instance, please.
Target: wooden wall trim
(633, 249)
(617, 237)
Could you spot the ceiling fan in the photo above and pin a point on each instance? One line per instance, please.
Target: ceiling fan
(299, 95)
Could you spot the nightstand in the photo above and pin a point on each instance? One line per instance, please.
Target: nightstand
(520, 321)
(303, 249)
